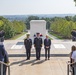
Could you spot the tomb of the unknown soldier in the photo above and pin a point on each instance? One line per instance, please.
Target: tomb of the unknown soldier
(37, 26)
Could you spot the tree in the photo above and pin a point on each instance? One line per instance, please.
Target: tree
(74, 18)
(68, 18)
(22, 25)
(1, 24)
(29, 19)
(9, 30)
(75, 2)
(62, 27)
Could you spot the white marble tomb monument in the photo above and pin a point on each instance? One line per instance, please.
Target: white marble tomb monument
(37, 26)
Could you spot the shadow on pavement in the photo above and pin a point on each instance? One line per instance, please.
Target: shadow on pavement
(17, 62)
(26, 62)
(38, 62)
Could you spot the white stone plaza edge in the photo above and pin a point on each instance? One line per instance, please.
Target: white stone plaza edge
(37, 26)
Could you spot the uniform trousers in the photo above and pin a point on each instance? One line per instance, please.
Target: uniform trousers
(38, 52)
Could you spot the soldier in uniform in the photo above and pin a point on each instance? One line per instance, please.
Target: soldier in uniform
(28, 46)
(38, 45)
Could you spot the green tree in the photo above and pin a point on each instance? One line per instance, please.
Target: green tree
(62, 27)
(29, 19)
(69, 18)
(19, 26)
(1, 24)
(23, 26)
(9, 30)
(74, 18)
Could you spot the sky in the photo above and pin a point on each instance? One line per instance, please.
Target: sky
(24, 7)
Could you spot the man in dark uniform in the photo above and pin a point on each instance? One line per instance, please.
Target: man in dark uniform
(47, 43)
(28, 46)
(38, 45)
(3, 54)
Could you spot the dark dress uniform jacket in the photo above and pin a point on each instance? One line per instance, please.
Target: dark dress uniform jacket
(47, 42)
(3, 58)
(28, 43)
(38, 42)
(3, 54)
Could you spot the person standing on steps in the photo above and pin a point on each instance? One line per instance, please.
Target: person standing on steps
(28, 46)
(47, 44)
(3, 53)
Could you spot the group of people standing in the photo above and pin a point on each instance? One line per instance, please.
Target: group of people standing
(38, 45)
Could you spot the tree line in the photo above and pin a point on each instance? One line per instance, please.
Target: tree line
(11, 28)
(58, 25)
(61, 26)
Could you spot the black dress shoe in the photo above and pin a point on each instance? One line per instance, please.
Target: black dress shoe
(27, 59)
(36, 59)
(45, 58)
(39, 59)
(48, 59)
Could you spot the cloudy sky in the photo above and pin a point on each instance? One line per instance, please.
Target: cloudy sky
(23, 7)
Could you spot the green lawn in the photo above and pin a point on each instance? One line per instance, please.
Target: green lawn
(17, 36)
(56, 35)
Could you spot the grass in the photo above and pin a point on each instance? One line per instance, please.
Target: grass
(56, 35)
(17, 36)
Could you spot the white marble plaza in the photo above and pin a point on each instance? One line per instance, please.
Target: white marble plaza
(16, 46)
(59, 46)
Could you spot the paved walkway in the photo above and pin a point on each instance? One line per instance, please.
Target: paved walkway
(57, 65)
(53, 37)
(54, 66)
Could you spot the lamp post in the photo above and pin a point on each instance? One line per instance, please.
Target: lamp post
(75, 2)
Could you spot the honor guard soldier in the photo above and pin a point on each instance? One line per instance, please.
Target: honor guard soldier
(38, 45)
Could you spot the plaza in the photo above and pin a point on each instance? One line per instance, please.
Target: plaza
(59, 55)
